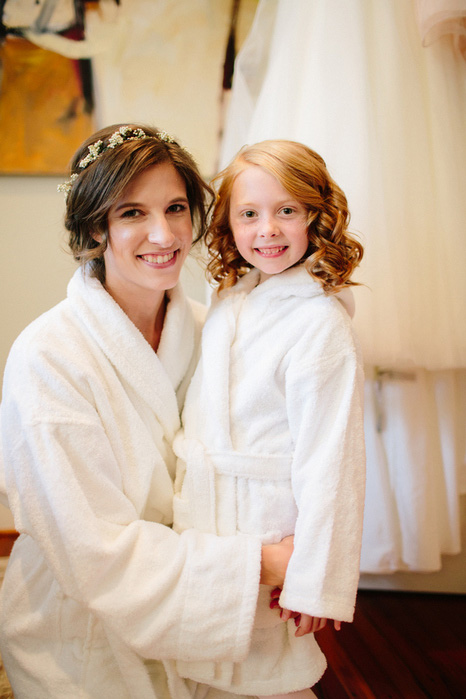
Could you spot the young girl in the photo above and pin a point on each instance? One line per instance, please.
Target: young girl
(273, 421)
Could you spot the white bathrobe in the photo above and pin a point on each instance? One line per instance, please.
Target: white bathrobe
(96, 582)
(272, 443)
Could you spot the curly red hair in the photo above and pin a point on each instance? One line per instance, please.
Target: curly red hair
(332, 254)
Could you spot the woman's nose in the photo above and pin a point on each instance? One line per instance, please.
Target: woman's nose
(160, 233)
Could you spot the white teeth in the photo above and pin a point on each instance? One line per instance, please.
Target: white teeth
(271, 251)
(159, 259)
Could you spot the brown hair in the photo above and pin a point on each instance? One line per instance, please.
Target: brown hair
(101, 183)
(332, 254)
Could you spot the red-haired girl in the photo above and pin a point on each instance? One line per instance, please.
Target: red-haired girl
(272, 440)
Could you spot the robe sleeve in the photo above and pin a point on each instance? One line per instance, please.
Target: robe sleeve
(3, 493)
(164, 595)
(324, 389)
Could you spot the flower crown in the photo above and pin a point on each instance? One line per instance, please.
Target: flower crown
(124, 133)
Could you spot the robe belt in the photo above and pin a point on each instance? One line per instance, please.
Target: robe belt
(270, 467)
(203, 466)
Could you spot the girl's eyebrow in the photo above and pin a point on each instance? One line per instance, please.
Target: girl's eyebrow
(285, 202)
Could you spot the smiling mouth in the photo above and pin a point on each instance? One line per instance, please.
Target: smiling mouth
(158, 259)
(271, 252)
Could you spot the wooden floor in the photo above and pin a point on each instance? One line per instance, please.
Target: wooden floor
(7, 539)
(400, 646)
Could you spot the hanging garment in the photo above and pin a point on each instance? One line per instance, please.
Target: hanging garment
(414, 451)
(352, 81)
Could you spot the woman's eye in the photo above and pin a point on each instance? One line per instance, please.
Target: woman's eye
(177, 208)
(130, 213)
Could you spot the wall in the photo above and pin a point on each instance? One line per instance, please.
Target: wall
(34, 268)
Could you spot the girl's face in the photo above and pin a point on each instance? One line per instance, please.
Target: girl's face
(269, 226)
(150, 234)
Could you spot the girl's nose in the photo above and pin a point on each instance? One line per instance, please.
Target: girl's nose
(269, 228)
(160, 233)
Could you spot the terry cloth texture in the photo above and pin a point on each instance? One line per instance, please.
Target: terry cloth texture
(272, 443)
(97, 583)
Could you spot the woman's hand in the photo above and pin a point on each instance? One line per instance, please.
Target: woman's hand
(275, 559)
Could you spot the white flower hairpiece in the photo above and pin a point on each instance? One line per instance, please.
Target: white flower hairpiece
(124, 133)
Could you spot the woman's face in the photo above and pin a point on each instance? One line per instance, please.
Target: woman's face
(150, 234)
(269, 225)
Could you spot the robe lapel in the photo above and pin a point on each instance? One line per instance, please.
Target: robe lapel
(128, 351)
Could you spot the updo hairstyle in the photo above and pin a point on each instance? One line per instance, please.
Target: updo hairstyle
(96, 188)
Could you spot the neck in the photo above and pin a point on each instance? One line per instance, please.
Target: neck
(148, 318)
(152, 327)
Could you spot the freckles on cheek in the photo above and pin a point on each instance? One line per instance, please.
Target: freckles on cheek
(236, 232)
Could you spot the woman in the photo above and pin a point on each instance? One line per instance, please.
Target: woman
(98, 585)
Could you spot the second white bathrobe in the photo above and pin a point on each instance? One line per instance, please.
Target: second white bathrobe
(273, 445)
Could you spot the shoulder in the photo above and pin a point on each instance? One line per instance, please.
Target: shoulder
(44, 332)
(326, 330)
(50, 349)
(47, 365)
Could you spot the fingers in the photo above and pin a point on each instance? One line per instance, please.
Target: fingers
(305, 622)
(286, 614)
(274, 597)
(322, 623)
(309, 624)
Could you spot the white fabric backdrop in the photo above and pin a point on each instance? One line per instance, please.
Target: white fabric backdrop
(352, 79)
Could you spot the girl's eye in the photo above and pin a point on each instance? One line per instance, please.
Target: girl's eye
(249, 214)
(177, 208)
(287, 210)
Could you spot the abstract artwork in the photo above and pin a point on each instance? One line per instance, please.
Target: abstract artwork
(44, 115)
(46, 91)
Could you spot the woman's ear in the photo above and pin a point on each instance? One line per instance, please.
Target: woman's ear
(98, 237)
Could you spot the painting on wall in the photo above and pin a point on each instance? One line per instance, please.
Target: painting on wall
(46, 96)
(43, 113)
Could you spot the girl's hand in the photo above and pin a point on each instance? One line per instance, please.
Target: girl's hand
(275, 559)
(305, 623)
(308, 624)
